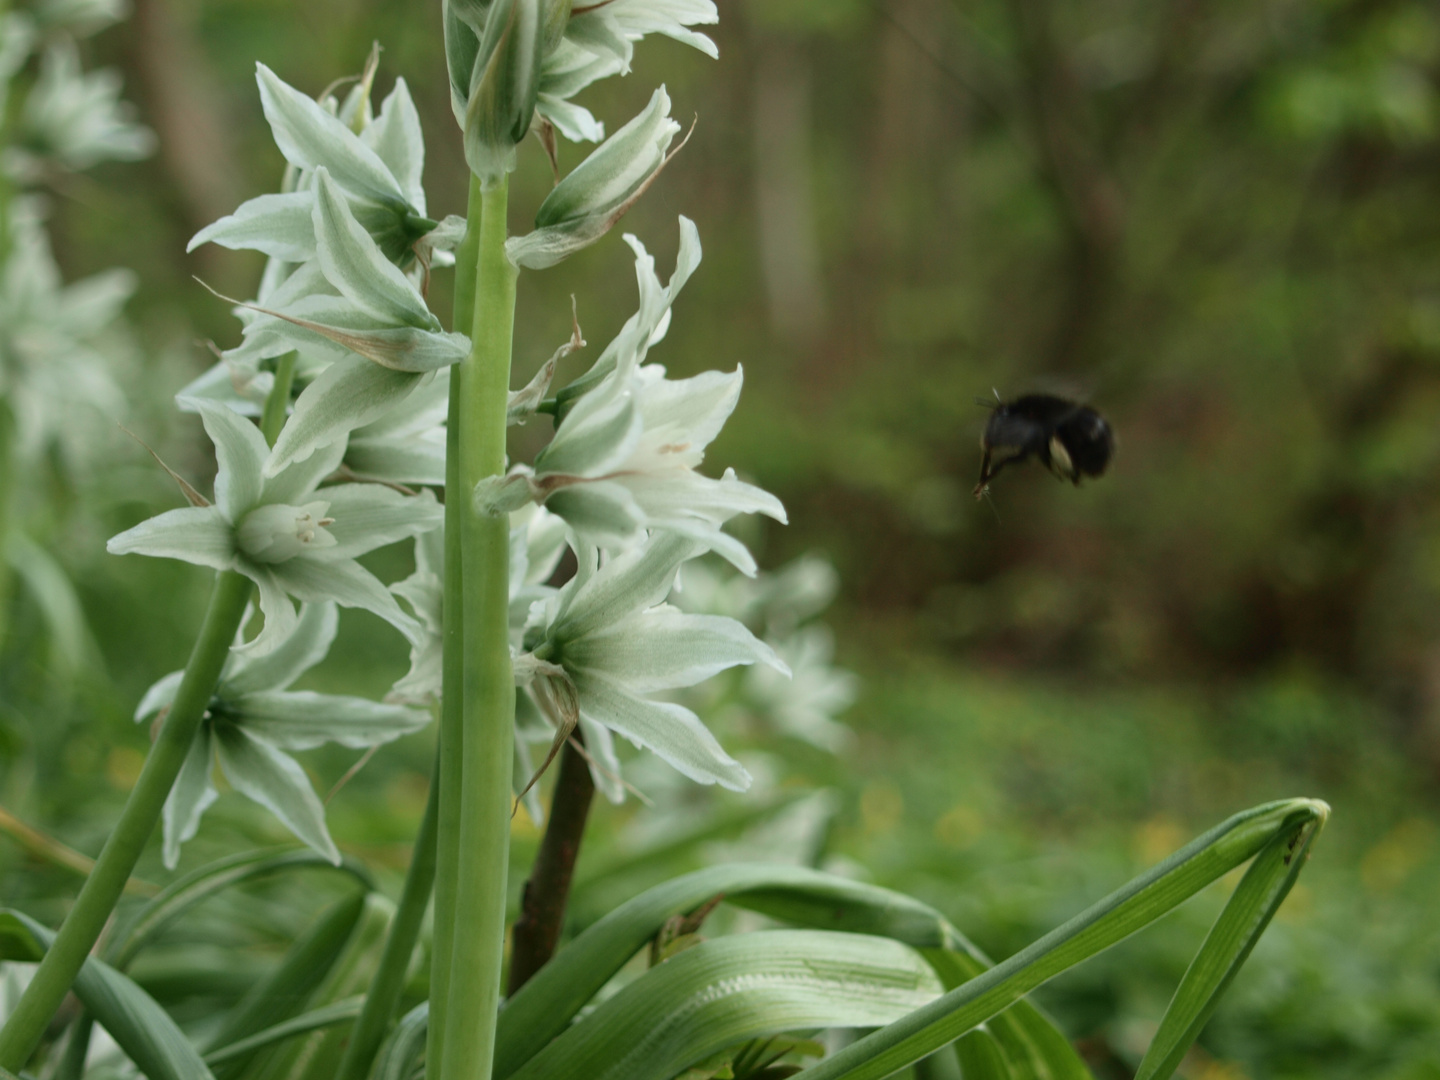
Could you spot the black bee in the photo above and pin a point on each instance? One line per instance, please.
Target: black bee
(1070, 439)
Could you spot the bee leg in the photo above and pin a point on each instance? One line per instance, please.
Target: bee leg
(985, 475)
(989, 471)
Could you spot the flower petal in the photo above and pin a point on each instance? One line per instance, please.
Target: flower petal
(193, 534)
(260, 772)
(159, 696)
(191, 796)
(596, 436)
(675, 493)
(616, 168)
(368, 516)
(300, 720)
(306, 646)
(409, 459)
(310, 137)
(671, 731)
(352, 262)
(349, 393)
(240, 452)
(347, 583)
(520, 776)
(423, 410)
(397, 140)
(710, 537)
(278, 225)
(632, 581)
(683, 416)
(604, 762)
(665, 650)
(279, 612)
(298, 481)
(603, 512)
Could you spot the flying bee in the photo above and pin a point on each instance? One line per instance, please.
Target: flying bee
(1070, 439)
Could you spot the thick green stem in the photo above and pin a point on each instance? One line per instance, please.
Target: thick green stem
(452, 689)
(389, 981)
(278, 401)
(77, 936)
(489, 689)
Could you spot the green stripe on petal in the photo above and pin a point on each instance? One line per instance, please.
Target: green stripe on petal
(276, 782)
(348, 394)
(665, 650)
(638, 579)
(190, 797)
(302, 650)
(349, 585)
(240, 451)
(353, 263)
(302, 719)
(368, 516)
(310, 137)
(669, 730)
(193, 534)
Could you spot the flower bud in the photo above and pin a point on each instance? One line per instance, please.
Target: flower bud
(503, 43)
(587, 203)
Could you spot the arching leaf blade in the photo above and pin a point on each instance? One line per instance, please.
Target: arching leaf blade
(213, 878)
(1246, 915)
(1129, 909)
(326, 1016)
(545, 1005)
(404, 1046)
(731, 989)
(981, 1057)
(138, 1025)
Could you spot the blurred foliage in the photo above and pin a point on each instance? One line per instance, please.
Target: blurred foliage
(1216, 221)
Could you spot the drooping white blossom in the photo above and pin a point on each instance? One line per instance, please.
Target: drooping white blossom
(290, 536)
(76, 118)
(585, 205)
(254, 719)
(55, 369)
(625, 455)
(607, 642)
(378, 173)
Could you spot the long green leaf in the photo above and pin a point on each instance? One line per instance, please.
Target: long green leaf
(731, 989)
(1136, 905)
(326, 1016)
(401, 1052)
(284, 992)
(213, 878)
(981, 1057)
(141, 1027)
(545, 1005)
(1032, 1042)
(317, 1057)
(1245, 917)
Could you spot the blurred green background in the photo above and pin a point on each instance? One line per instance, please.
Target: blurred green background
(1217, 221)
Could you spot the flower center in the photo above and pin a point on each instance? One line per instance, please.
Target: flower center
(275, 533)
